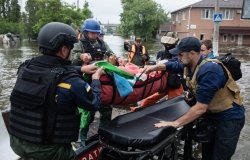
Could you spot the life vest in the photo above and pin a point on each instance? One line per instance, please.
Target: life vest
(132, 52)
(35, 115)
(97, 52)
(224, 97)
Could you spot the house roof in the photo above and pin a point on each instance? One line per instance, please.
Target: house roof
(211, 3)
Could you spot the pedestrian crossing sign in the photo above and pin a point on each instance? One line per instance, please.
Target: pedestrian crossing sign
(217, 17)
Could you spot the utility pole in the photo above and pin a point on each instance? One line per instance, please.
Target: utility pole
(216, 31)
(77, 4)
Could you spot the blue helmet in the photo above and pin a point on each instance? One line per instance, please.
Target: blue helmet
(91, 25)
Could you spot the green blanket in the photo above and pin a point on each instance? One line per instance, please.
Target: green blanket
(111, 68)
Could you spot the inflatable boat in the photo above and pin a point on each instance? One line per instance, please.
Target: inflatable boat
(141, 89)
(133, 135)
(151, 83)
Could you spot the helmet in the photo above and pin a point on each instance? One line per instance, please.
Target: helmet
(91, 25)
(169, 38)
(55, 34)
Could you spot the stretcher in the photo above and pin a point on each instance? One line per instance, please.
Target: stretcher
(141, 89)
(133, 135)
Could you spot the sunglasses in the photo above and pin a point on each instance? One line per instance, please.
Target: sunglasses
(202, 50)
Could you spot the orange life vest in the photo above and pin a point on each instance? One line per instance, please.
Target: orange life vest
(133, 51)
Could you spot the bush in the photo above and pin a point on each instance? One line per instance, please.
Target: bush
(6, 27)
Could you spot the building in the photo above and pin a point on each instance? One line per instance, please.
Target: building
(164, 28)
(197, 20)
(110, 28)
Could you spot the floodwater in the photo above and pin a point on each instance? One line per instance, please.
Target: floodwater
(12, 57)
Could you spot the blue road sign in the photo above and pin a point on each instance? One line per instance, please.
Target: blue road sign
(217, 17)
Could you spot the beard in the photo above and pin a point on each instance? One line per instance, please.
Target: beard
(187, 64)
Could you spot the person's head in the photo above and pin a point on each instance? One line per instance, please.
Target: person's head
(169, 40)
(188, 50)
(206, 47)
(56, 38)
(138, 41)
(91, 29)
(101, 35)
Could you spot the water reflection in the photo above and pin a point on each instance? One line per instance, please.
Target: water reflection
(10, 59)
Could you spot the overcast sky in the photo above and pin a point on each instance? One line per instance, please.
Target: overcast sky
(109, 10)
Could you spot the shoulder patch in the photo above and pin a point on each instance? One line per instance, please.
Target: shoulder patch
(87, 87)
(64, 85)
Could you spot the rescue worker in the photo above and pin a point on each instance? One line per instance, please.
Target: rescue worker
(43, 117)
(78, 34)
(169, 41)
(90, 48)
(217, 96)
(101, 35)
(138, 54)
(207, 48)
(90, 45)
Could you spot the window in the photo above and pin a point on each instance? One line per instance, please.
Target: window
(183, 15)
(177, 17)
(225, 38)
(207, 14)
(228, 14)
(173, 18)
(232, 38)
(201, 37)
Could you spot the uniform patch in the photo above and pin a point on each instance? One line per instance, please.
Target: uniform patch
(87, 87)
(64, 85)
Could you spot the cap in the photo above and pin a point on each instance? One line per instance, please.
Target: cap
(138, 39)
(168, 40)
(186, 44)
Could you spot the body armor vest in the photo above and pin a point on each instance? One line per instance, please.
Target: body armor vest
(224, 97)
(34, 115)
(97, 52)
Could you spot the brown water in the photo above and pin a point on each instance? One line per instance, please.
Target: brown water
(12, 57)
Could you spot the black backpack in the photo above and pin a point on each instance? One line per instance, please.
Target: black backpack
(232, 64)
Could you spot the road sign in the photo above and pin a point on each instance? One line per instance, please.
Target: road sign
(217, 17)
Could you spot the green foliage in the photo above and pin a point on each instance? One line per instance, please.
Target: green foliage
(14, 12)
(10, 10)
(40, 12)
(142, 17)
(6, 27)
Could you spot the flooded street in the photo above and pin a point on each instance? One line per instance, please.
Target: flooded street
(11, 58)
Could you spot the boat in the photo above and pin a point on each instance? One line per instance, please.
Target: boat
(125, 137)
(141, 89)
(6, 151)
(144, 85)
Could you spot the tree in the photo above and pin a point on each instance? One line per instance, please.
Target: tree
(40, 12)
(143, 17)
(31, 17)
(14, 12)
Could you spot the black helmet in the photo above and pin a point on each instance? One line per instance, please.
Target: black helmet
(55, 34)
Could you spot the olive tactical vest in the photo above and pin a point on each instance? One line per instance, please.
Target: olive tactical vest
(224, 97)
